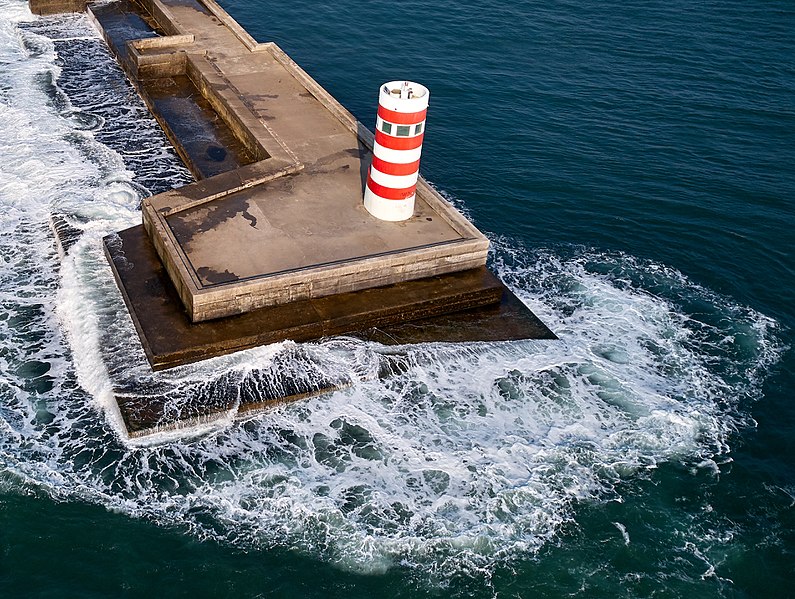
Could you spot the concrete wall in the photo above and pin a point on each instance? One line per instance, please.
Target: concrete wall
(52, 7)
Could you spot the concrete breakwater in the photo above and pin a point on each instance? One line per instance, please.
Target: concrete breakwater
(272, 242)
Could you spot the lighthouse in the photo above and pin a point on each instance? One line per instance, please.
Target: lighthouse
(399, 131)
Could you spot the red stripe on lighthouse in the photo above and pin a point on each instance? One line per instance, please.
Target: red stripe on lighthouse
(391, 168)
(398, 143)
(401, 118)
(388, 193)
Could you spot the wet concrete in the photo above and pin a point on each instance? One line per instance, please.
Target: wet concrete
(66, 232)
(123, 21)
(290, 376)
(209, 146)
(204, 141)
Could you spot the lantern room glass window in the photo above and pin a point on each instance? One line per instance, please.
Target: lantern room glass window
(418, 129)
(386, 127)
(403, 130)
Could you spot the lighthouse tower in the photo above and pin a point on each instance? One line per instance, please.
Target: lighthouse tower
(399, 129)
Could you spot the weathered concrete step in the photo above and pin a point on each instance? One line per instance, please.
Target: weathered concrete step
(170, 339)
(54, 7)
(292, 375)
(65, 232)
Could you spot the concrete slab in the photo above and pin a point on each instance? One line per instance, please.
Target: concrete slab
(294, 223)
(52, 7)
(170, 339)
(290, 377)
(297, 237)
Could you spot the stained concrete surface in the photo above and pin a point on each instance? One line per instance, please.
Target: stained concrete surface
(209, 145)
(297, 222)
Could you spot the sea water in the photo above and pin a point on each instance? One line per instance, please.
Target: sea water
(632, 166)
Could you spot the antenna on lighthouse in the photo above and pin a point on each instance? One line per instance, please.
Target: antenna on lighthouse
(399, 131)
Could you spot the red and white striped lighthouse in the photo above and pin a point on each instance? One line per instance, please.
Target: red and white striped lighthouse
(399, 129)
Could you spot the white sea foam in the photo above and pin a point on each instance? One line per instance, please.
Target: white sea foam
(465, 456)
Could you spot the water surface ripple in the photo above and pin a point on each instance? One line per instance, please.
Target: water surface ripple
(632, 165)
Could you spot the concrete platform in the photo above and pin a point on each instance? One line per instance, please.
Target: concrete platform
(295, 237)
(460, 307)
(471, 305)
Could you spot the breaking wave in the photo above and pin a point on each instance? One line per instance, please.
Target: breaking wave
(446, 459)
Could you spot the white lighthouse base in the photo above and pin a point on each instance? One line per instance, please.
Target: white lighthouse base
(391, 210)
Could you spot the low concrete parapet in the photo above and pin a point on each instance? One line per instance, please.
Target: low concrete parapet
(158, 57)
(54, 7)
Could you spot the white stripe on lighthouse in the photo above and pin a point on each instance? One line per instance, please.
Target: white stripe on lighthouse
(393, 181)
(397, 156)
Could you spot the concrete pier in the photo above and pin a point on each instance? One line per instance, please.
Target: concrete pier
(273, 241)
(296, 227)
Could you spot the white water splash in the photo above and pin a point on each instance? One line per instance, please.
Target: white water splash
(465, 457)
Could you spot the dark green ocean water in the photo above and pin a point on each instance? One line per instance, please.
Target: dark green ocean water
(634, 167)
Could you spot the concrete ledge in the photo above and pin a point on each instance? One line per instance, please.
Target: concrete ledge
(166, 62)
(166, 41)
(170, 339)
(163, 16)
(214, 188)
(230, 105)
(53, 7)
(244, 36)
(155, 57)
